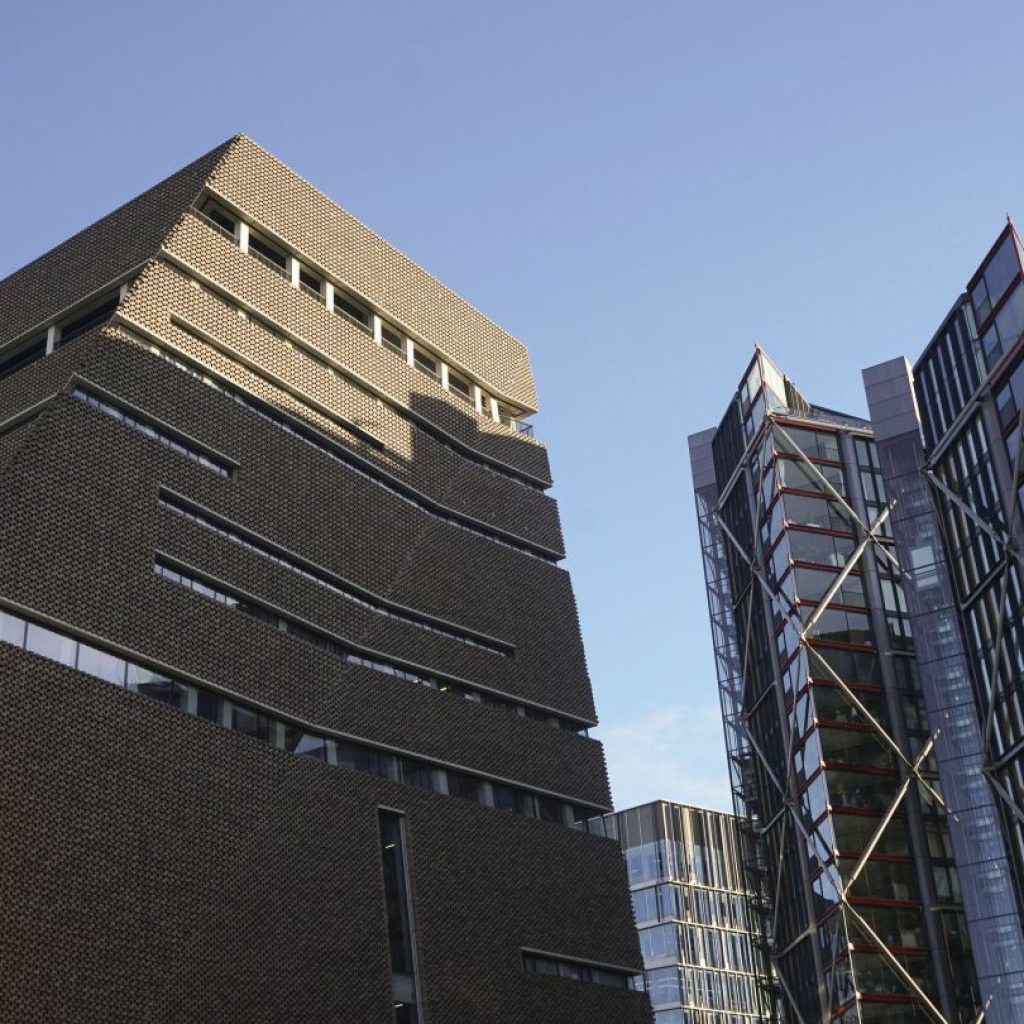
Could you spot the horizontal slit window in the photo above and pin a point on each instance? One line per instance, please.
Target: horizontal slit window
(460, 387)
(425, 364)
(153, 432)
(310, 283)
(268, 253)
(360, 657)
(331, 582)
(23, 357)
(344, 305)
(575, 970)
(259, 724)
(220, 218)
(87, 321)
(316, 439)
(392, 341)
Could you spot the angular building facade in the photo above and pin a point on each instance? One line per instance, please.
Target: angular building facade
(703, 960)
(293, 701)
(827, 733)
(984, 870)
(949, 439)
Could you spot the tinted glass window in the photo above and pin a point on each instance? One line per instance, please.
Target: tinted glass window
(1002, 269)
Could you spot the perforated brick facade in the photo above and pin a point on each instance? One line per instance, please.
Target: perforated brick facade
(161, 864)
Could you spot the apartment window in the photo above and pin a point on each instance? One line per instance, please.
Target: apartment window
(392, 341)
(1008, 395)
(399, 915)
(347, 307)
(1006, 328)
(268, 253)
(1000, 271)
(460, 386)
(425, 364)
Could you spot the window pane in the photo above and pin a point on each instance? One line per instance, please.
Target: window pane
(51, 645)
(1002, 269)
(101, 665)
(12, 629)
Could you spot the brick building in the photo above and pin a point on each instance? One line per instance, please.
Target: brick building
(293, 700)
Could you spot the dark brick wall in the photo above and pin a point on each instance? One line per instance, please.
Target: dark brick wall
(211, 255)
(115, 475)
(99, 253)
(453, 479)
(158, 868)
(308, 503)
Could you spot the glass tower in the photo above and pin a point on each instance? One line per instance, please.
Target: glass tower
(828, 737)
(951, 430)
(702, 951)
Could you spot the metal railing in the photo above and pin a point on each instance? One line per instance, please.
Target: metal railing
(268, 262)
(354, 320)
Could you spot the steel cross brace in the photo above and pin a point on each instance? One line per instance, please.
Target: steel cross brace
(898, 968)
(793, 613)
(836, 496)
(790, 611)
(887, 817)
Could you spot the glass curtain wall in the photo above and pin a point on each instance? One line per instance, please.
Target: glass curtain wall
(840, 789)
(969, 386)
(703, 960)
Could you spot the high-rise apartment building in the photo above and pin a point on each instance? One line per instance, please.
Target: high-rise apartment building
(703, 961)
(293, 702)
(829, 741)
(949, 439)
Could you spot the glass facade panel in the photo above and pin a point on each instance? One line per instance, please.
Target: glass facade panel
(970, 596)
(703, 953)
(844, 767)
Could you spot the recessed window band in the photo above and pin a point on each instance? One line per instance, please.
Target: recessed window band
(278, 556)
(152, 431)
(265, 725)
(215, 590)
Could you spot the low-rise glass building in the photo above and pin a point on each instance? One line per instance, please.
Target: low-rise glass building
(702, 955)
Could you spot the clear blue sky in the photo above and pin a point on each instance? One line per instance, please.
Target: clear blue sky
(638, 191)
